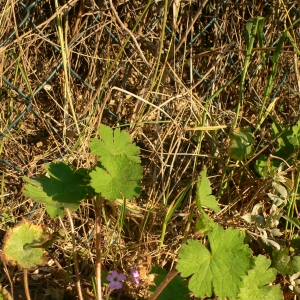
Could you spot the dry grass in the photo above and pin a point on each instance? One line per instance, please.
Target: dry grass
(155, 90)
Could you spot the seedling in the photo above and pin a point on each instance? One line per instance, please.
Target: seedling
(225, 268)
(116, 175)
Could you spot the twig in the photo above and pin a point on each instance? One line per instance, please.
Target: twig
(98, 204)
(227, 50)
(9, 279)
(75, 256)
(161, 287)
(79, 16)
(145, 101)
(69, 279)
(195, 18)
(130, 33)
(64, 55)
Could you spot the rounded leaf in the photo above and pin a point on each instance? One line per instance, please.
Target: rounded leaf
(23, 245)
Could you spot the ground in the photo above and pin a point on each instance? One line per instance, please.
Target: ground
(170, 73)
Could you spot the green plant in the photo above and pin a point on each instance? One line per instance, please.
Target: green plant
(116, 175)
(225, 266)
(255, 285)
(276, 166)
(267, 225)
(24, 245)
(287, 150)
(219, 269)
(284, 262)
(241, 144)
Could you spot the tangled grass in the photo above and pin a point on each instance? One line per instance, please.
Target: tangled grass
(170, 73)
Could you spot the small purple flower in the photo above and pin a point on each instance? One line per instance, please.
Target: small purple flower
(114, 280)
(135, 276)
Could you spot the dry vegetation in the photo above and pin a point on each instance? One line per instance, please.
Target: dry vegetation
(127, 69)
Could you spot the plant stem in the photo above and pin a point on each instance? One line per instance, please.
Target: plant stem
(161, 287)
(75, 256)
(26, 284)
(98, 204)
(64, 54)
(9, 279)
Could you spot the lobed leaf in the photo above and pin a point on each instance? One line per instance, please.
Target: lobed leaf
(284, 263)
(118, 179)
(65, 188)
(24, 245)
(218, 270)
(114, 143)
(204, 197)
(204, 223)
(255, 283)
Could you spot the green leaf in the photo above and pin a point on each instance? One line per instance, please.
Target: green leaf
(23, 245)
(295, 264)
(176, 288)
(249, 26)
(120, 178)
(204, 197)
(65, 188)
(261, 166)
(255, 283)
(296, 131)
(295, 243)
(204, 223)
(275, 59)
(118, 172)
(114, 142)
(241, 144)
(287, 141)
(260, 35)
(281, 261)
(284, 263)
(218, 270)
(293, 221)
(281, 138)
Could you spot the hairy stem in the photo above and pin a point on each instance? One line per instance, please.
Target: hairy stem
(98, 204)
(161, 287)
(75, 256)
(26, 285)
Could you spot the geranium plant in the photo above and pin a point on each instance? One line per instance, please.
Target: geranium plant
(116, 175)
(226, 267)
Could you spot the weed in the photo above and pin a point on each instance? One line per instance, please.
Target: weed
(209, 90)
